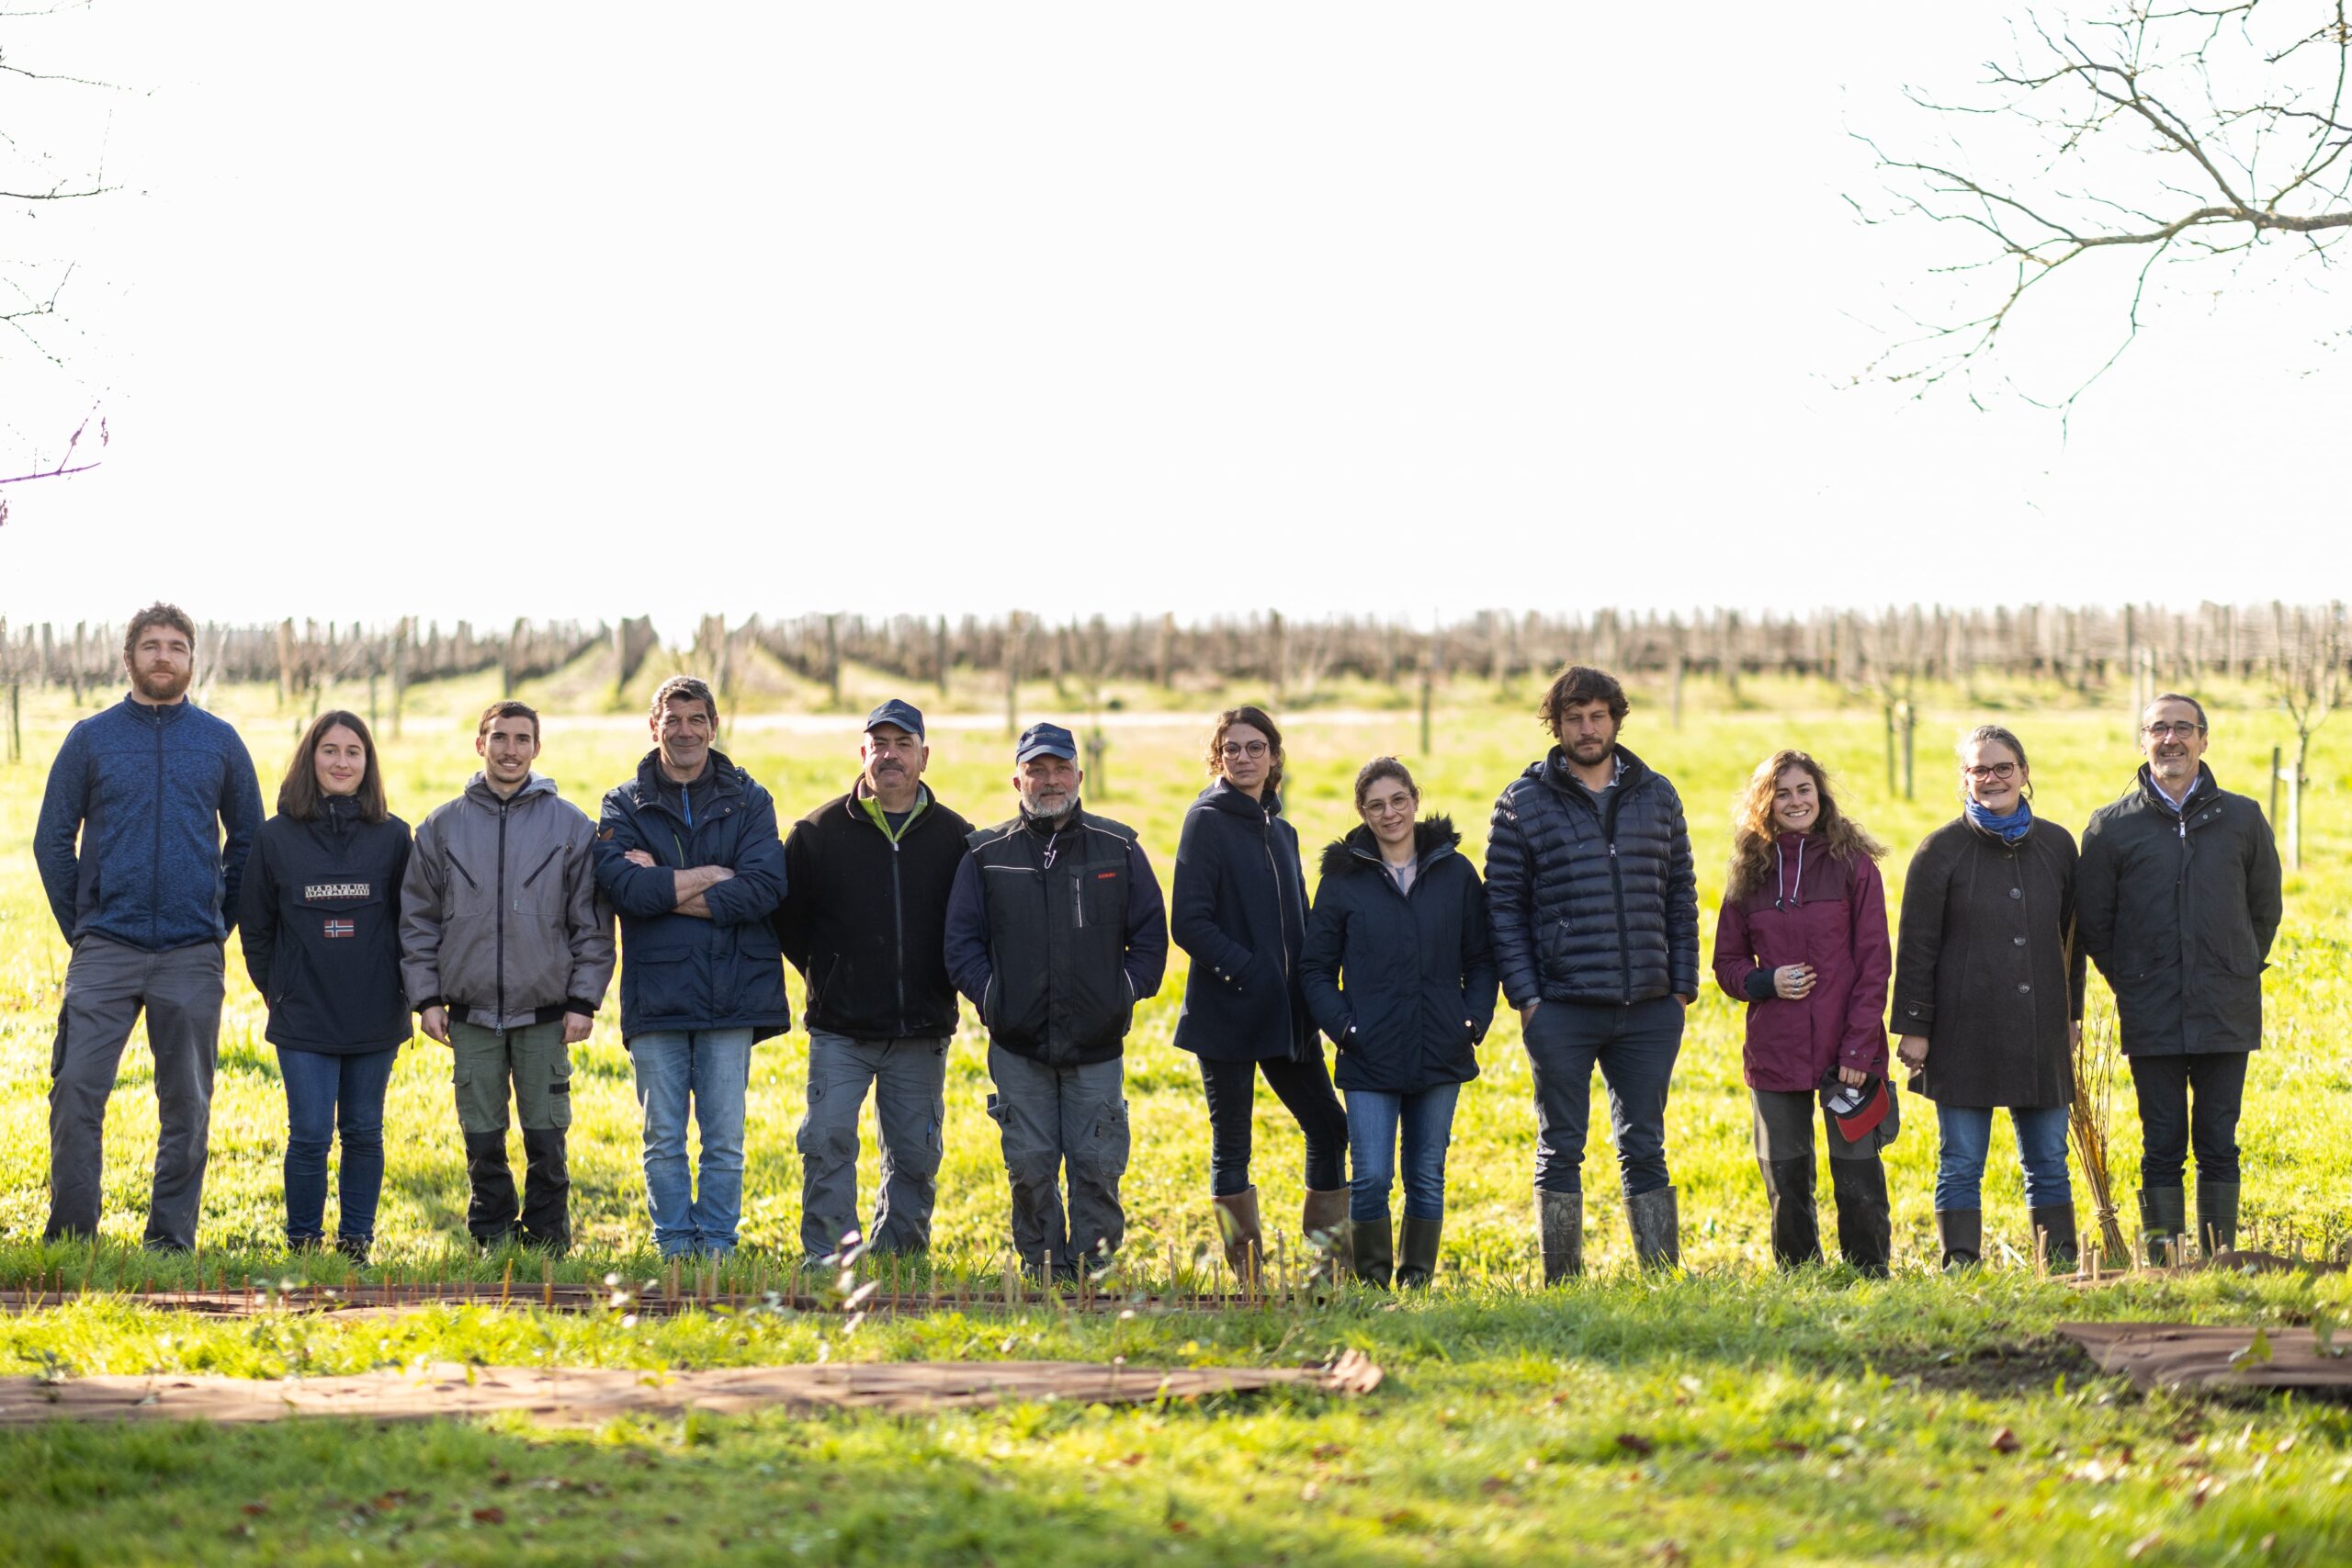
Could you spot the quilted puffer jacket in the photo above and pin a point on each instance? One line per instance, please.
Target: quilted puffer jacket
(1592, 900)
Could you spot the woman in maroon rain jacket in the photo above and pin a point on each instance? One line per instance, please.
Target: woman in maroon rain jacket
(1803, 940)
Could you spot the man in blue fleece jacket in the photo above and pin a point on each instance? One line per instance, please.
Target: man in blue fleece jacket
(145, 901)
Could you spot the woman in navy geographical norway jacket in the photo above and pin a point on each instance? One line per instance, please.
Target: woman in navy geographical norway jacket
(1401, 919)
(321, 918)
(1237, 906)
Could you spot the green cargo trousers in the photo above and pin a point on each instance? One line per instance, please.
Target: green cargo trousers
(538, 1064)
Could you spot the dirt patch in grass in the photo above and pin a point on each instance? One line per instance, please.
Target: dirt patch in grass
(1993, 1370)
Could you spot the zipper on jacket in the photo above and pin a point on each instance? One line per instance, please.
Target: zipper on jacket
(1077, 902)
(1282, 906)
(501, 987)
(898, 933)
(155, 867)
(1617, 888)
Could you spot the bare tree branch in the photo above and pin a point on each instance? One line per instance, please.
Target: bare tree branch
(2195, 134)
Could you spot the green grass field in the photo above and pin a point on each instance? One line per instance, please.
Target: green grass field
(1730, 1415)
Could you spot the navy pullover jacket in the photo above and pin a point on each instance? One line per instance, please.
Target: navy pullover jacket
(148, 790)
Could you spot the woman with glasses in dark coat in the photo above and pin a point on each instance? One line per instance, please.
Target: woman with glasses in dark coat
(1237, 906)
(1988, 994)
(320, 916)
(1400, 973)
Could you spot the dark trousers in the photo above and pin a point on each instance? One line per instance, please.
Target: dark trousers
(1634, 1048)
(1305, 1090)
(326, 1094)
(107, 986)
(2193, 1099)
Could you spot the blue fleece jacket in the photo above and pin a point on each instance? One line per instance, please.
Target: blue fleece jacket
(148, 790)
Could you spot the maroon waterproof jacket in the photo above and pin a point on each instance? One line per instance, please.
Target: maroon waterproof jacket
(1830, 913)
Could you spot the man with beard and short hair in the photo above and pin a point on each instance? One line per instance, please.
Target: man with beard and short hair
(1595, 910)
(506, 953)
(866, 923)
(162, 799)
(2177, 900)
(687, 851)
(1056, 929)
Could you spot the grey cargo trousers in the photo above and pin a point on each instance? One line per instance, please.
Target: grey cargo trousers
(1058, 1119)
(909, 1077)
(108, 985)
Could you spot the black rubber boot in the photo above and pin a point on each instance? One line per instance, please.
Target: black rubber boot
(2217, 1216)
(1865, 1222)
(1963, 1233)
(1656, 1220)
(547, 1192)
(2053, 1232)
(1417, 1261)
(2164, 1220)
(355, 1247)
(490, 1211)
(1796, 1226)
(1560, 1225)
(1373, 1260)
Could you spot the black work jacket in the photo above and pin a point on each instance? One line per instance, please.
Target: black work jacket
(320, 912)
(2178, 911)
(1237, 906)
(865, 921)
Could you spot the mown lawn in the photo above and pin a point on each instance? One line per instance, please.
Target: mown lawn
(1725, 1416)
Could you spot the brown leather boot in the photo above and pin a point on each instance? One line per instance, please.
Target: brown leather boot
(1244, 1238)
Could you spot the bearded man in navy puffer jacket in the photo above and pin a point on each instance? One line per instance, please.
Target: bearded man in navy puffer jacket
(1595, 912)
(162, 799)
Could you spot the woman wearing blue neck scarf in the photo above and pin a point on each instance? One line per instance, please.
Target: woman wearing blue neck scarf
(1988, 994)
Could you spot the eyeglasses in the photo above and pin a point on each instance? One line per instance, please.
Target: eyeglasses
(1994, 770)
(2166, 731)
(1235, 749)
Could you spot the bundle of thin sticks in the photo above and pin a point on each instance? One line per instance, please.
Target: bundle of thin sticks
(2095, 1055)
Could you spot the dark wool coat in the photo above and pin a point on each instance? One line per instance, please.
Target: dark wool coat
(1592, 902)
(865, 921)
(1403, 983)
(2179, 911)
(1237, 906)
(1830, 913)
(1986, 968)
(320, 924)
(682, 972)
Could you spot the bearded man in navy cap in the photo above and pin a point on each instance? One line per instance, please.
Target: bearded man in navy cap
(1056, 929)
(866, 924)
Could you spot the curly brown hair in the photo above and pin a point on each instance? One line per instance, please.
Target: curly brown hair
(1753, 834)
(1260, 721)
(1575, 686)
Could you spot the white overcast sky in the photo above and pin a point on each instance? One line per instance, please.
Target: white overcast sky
(487, 310)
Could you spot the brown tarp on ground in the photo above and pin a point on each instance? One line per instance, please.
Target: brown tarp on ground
(565, 1397)
(2182, 1355)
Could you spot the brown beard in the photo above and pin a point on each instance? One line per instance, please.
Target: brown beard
(144, 680)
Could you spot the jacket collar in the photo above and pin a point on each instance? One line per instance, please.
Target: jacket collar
(157, 713)
(2200, 791)
(1434, 838)
(1553, 770)
(722, 776)
(478, 790)
(1222, 797)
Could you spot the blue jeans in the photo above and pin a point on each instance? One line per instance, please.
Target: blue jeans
(1968, 1133)
(1634, 1047)
(1373, 1122)
(326, 1094)
(713, 1067)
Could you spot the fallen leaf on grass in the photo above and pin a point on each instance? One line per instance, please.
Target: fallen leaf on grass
(1633, 1442)
(2006, 1442)
(2257, 1354)
(491, 1516)
(1786, 1446)
(2145, 1544)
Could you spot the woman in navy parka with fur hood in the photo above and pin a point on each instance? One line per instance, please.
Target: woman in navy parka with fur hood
(1401, 919)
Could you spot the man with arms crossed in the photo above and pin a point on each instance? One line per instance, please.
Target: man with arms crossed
(506, 953)
(687, 851)
(1056, 929)
(866, 923)
(2177, 900)
(162, 798)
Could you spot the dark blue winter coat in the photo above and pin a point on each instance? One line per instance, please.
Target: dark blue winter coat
(1403, 983)
(1592, 901)
(150, 791)
(1238, 908)
(320, 920)
(682, 972)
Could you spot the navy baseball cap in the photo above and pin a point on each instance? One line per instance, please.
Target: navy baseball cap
(1044, 741)
(903, 714)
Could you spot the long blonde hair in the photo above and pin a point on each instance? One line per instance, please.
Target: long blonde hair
(1753, 834)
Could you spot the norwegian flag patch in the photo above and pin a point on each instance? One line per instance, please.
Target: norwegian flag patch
(342, 927)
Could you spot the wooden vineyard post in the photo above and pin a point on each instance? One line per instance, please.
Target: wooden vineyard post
(1428, 693)
(2274, 776)
(16, 723)
(2295, 817)
(1910, 722)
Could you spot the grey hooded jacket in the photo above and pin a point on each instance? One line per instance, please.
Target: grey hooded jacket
(500, 920)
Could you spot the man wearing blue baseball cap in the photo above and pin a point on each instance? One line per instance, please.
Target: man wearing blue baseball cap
(865, 923)
(1056, 929)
